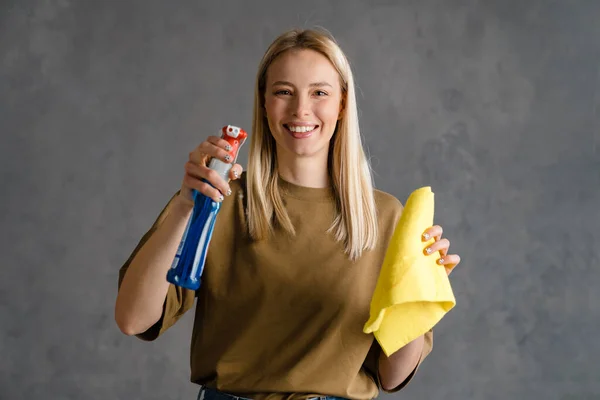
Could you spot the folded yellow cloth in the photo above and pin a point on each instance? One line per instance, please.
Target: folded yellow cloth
(413, 292)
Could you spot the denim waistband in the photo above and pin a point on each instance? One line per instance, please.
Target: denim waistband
(207, 393)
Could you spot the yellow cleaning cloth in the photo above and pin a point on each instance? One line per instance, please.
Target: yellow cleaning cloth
(413, 292)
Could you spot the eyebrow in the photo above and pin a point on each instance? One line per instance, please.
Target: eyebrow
(315, 84)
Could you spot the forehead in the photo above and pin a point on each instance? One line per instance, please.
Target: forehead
(302, 67)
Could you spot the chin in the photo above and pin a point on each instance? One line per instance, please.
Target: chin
(306, 151)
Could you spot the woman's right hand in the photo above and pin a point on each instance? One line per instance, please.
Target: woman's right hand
(196, 169)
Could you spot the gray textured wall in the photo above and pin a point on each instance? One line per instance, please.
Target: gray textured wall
(495, 104)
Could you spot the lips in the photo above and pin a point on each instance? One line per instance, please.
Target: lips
(301, 131)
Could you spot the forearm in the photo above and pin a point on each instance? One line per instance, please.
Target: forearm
(144, 287)
(393, 370)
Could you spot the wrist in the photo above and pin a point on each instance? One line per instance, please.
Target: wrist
(182, 204)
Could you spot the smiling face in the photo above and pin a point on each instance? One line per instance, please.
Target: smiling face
(302, 103)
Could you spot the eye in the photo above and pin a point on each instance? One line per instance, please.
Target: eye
(320, 93)
(282, 92)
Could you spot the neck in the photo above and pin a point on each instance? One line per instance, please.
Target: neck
(304, 171)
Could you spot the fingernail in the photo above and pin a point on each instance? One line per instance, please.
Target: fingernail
(428, 250)
(221, 198)
(228, 192)
(441, 261)
(228, 147)
(426, 236)
(236, 174)
(227, 157)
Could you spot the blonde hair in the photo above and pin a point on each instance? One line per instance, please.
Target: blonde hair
(348, 168)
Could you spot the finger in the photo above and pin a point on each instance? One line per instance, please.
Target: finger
(198, 157)
(441, 245)
(224, 146)
(203, 187)
(449, 268)
(200, 172)
(235, 172)
(433, 232)
(214, 151)
(219, 142)
(212, 147)
(450, 259)
(449, 262)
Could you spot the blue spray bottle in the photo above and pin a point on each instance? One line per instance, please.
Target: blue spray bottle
(188, 263)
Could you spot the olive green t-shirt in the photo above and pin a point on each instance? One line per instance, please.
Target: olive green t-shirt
(283, 317)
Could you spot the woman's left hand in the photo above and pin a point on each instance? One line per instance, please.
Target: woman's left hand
(449, 261)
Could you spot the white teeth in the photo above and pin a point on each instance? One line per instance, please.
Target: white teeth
(301, 129)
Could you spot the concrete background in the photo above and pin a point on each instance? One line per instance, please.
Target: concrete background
(495, 104)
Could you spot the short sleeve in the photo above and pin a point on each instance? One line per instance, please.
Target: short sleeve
(177, 301)
(372, 362)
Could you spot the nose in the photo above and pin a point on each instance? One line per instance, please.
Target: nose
(301, 106)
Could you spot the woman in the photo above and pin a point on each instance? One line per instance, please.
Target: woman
(297, 247)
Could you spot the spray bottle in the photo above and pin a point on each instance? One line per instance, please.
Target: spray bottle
(188, 263)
